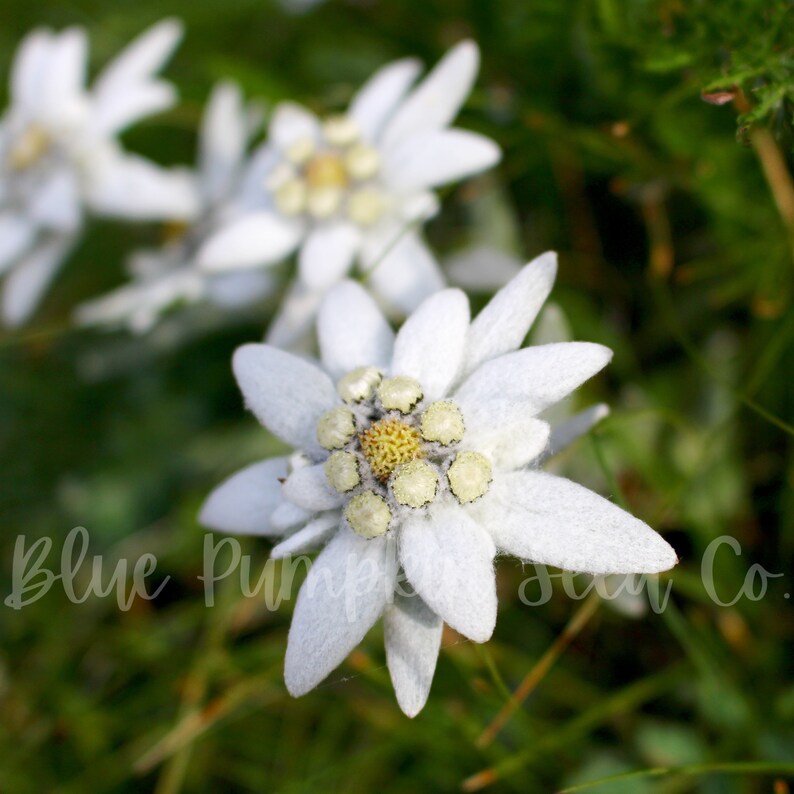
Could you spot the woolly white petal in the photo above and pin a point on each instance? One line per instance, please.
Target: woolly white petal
(223, 139)
(259, 238)
(406, 274)
(412, 635)
(65, 69)
(546, 519)
(287, 516)
(125, 90)
(311, 537)
(308, 488)
(435, 102)
(128, 186)
(295, 319)
(291, 122)
(579, 424)
(344, 594)
(16, 236)
(502, 325)
(551, 326)
(481, 269)
(29, 67)
(287, 394)
(56, 203)
(26, 283)
(244, 503)
(510, 445)
(239, 287)
(327, 255)
(533, 378)
(352, 331)
(437, 157)
(448, 558)
(429, 346)
(376, 99)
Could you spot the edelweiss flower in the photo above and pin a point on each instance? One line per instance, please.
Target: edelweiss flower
(349, 189)
(415, 462)
(165, 277)
(59, 153)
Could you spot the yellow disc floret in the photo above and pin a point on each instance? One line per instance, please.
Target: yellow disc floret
(368, 515)
(389, 443)
(469, 476)
(442, 422)
(415, 483)
(326, 170)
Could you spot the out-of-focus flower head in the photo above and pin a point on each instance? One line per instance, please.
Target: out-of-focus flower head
(351, 190)
(60, 157)
(417, 462)
(168, 276)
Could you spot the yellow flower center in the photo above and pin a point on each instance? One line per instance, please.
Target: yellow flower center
(326, 170)
(388, 444)
(29, 148)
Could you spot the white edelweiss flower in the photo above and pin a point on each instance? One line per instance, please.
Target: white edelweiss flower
(60, 157)
(418, 456)
(350, 190)
(169, 276)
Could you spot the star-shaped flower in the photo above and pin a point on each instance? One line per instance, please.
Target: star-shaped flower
(416, 464)
(169, 276)
(349, 190)
(59, 153)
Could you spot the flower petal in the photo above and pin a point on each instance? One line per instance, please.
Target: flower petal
(294, 322)
(29, 69)
(529, 380)
(254, 239)
(502, 325)
(16, 236)
(448, 558)
(66, 67)
(244, 503)
(353, 331)
(287, 394)
(311, 537)
(437, 157)
(308, 488)
(344, 594)
(481, 269)
(223, 139)
(546, 519)
(287, 516)
(126, 89)
(412, 635)
(510, 445)
(430, 344)
(26, 283)
(327, 255)
(56, 203)
(405, 274)
(435, 102)
(566, 433)
(291, 122)
(376, 99)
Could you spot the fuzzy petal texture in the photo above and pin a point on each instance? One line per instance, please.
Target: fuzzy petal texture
(435, 102)
(510, 445)
(308, 488)
(448, 559)
(344, 594)
(566, 433)
(412, 635)
(327, 255)
(546, 519)
(502, 325)
(435, 158)
(26, 283)
(352, 331)
(405, 274)
(310, 538)
(532, 379)
(430, 344)
(376, 100)
(290, 123)
(244, 503)
(254, 239)
(287, 394)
